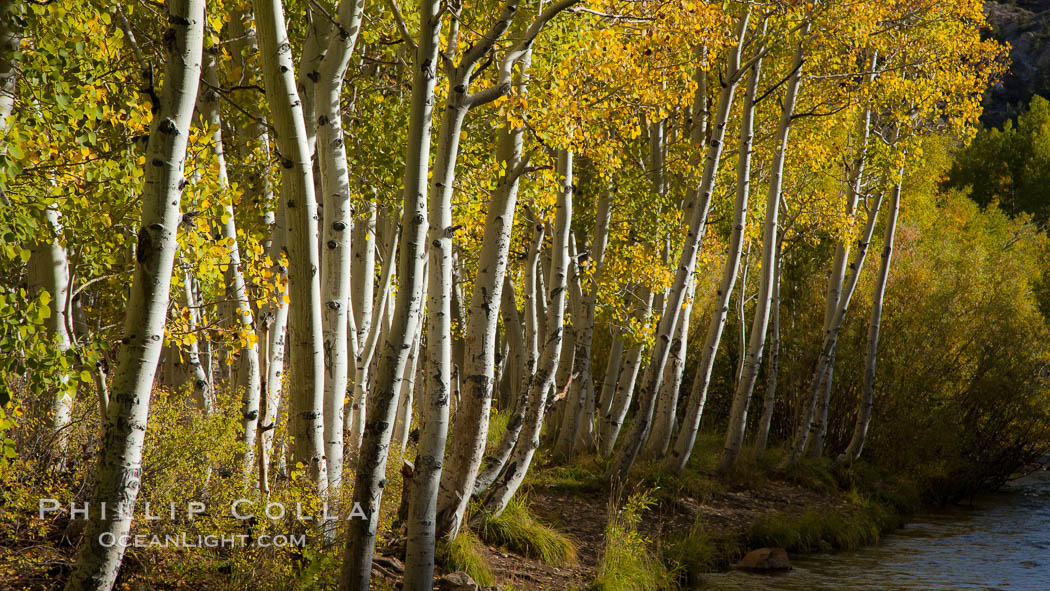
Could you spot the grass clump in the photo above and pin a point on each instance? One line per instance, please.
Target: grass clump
(825, 529)
(583, 477)
(465, 553)
(697, 551)
(517, 530)
(628, 563)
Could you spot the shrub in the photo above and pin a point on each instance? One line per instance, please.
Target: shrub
(628, 562)
(465, 553)
(518, 531)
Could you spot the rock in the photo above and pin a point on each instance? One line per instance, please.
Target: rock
(765, 559)
(457, 581)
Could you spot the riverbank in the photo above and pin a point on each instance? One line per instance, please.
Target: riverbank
(699, 522)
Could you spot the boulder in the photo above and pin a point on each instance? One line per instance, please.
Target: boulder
(457, 581)
(765, 559)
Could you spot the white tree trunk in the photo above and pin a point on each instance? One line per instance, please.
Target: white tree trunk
(827, 348)
(49, 271)
(530, 351)
(864, 405)
(271, 320)
(305, 343)
(612, 420)
(612, 371)
(686, 438)
(276, 336)
(577, 427)
(518, 357)
(664, 416)
(770, 397)
(752, 358)
(472, 418)
(364, 352)
(118, 476)
(197, 372)
(337, 228)
(405, 405)
(372, 456)
(542, 380)
(363, 270)
(249, 378)
(437, 386)
(838, 267)
(686, 265)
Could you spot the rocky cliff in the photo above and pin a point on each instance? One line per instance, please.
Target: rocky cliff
(1025, 25)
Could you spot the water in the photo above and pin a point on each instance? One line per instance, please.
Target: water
(1001, 543)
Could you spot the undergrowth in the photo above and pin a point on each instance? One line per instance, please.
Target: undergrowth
(465, 553)
(517, 530)
(629, 561)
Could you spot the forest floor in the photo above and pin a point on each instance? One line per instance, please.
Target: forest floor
(574, 501)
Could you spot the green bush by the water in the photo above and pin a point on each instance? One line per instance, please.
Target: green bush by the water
(824, 529)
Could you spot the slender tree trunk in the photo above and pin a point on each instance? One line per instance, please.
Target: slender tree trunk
(118, 476)
(531, 351)
(338, 220)
(271, 321)
(275, 349)
(371, 465)
(517, 385)
(825, 355)
(542, 380)
(625, 381)
(752, 358)
(770, 398)
(198, 375)
(49, 271)
(864, 405)
(249, 378)
(741, 301)
(437, 387)
(686, 265)
(472, 417)
(405, 400)
(363, 270)
(612, 371)
(364, 351)
(306, 345)
(587, 433)
(664, 417)
(838, 269)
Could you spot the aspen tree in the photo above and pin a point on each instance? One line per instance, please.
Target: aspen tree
(49, 271)
(773, 363)
(683, 446)
(373, 452)
(119, 472)
(838, 267)
(867, 397)
(752, 358)
(529, 357)
(249, 377)
(336, 258)
(797, 445)
(305, 342)
(472, 417)
(686, 265)
(547, 365)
